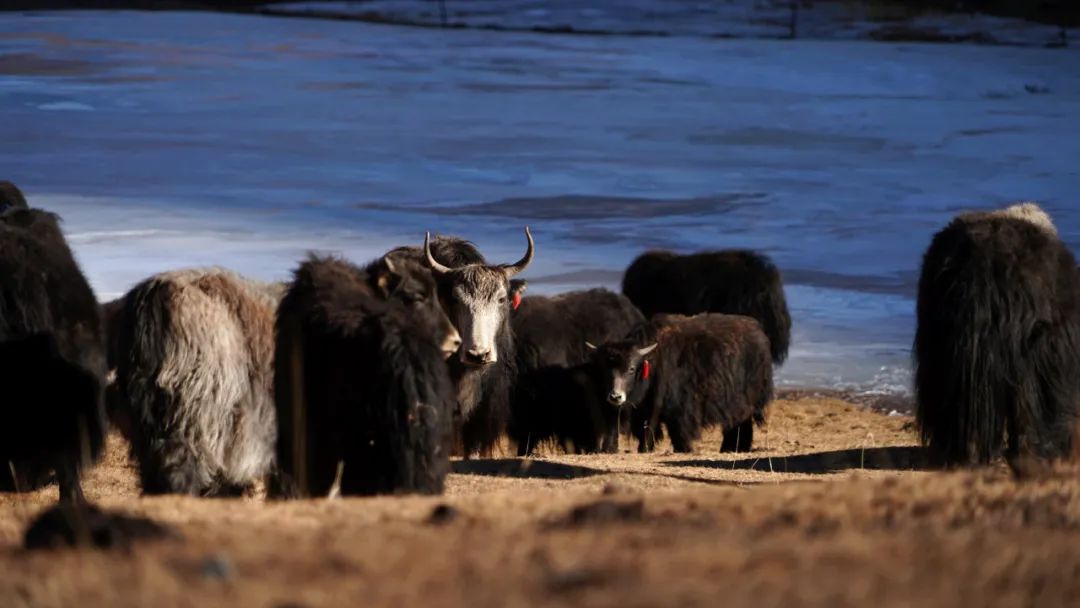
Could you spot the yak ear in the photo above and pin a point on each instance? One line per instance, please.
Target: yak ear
(648, 349)
(590, 345)
(386, 276)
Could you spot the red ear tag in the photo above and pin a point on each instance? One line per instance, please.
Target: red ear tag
(644, 370)
(517, 300)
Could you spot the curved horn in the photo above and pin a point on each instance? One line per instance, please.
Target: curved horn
(523, 263)
(648, 349)
(435, 266)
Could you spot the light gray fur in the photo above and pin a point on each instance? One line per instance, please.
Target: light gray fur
(196, 378)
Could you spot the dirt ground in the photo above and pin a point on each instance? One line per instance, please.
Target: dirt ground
(831, 509)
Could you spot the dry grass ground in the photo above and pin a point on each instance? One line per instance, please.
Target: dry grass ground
(830, 510)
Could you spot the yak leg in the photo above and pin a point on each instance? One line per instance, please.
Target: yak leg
(739, 438)
(681, 440)
(68, 478)
(611, 438)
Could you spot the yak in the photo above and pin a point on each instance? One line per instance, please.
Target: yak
(363, 393)
(192, 354)
(997, 346)
(554, 397)
(734, 282)
(478, 298)
(52, 355)
(691, 373)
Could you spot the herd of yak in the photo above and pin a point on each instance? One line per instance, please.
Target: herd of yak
(363, 380)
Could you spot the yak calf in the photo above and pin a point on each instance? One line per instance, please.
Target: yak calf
(555, 398)
(691, 373)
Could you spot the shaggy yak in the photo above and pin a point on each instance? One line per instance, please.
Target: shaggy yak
(52, 355)
(478, 298)
(556, 396)
(690, 373)
(192, 352)
(733, 282)
(997, 348)
(363, 394)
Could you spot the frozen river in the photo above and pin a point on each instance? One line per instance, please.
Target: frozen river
(176, 139)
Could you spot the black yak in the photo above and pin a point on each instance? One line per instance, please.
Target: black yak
(555, 396)
(192, 352)
(997, 348)
(52, 356)
(478, 298)
(362, 388)
(690, 373)
(734, 282)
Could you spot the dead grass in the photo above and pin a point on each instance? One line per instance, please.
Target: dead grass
(840, 519)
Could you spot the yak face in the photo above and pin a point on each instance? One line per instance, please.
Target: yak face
(478, 298)
(622, 371)
(413, 287)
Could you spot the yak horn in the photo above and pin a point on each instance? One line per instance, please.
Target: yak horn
(524, 262)
(590, 345)
(648, 349)
(435, 266)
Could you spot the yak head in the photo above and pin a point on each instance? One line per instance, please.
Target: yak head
(411, 285)
(622, 370)
(478, 298)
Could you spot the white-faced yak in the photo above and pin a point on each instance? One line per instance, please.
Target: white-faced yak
(691, 373)
(997, 348)
(52, 355)
(363, 393)
(478, 298)
(555, 398)
(734, 282)
(192, 352)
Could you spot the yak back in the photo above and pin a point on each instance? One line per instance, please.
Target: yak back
(552, 331)
(736, 282)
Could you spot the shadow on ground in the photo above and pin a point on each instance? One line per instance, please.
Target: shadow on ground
(515, 467)
(905, 458)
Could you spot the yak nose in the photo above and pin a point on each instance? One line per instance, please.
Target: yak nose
(478, 357)
(451, 344)
(616, 398)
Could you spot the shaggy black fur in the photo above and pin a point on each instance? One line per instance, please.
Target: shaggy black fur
(11, 196)
(734, 282)
(88, 526)
(706, 370)
(360, 380)
(997, 349)
(51, 355)
(483, 393)
(564, 405)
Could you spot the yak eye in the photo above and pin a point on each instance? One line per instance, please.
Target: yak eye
(632, 368)
(502, 300)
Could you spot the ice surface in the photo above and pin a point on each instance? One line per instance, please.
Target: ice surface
(176, 139)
